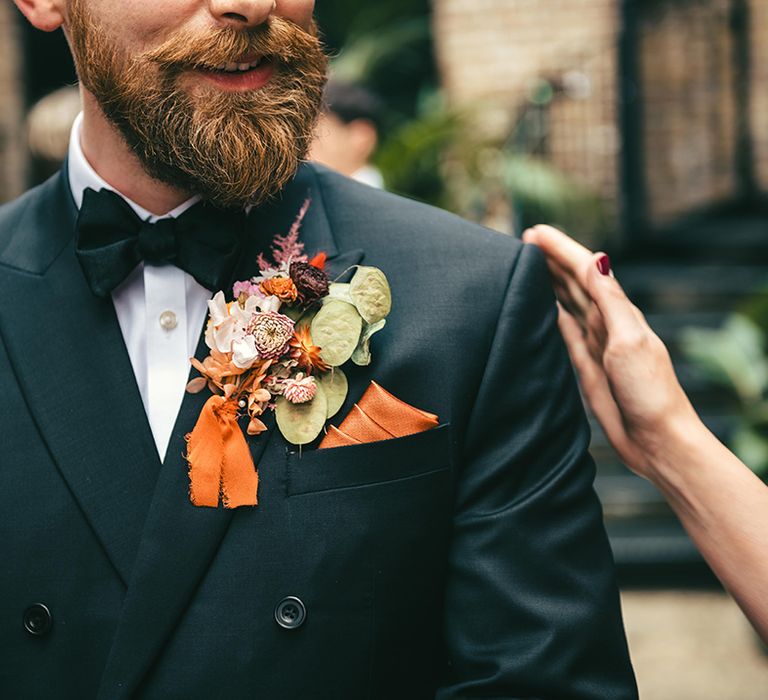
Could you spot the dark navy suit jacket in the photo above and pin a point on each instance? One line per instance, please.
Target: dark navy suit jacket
(469, 561)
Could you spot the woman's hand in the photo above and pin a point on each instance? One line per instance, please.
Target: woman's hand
(627, 378)
(624, 369)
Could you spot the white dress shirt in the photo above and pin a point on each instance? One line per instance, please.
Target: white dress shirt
(161, 311)
(369, 175)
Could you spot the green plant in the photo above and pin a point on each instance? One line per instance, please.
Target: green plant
(734, 356)
(437, 157)
(387, 47)
(430, 150)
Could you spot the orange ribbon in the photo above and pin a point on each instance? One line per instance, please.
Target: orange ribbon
(220, 462)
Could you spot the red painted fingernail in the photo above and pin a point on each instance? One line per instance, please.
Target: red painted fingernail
(604, 265)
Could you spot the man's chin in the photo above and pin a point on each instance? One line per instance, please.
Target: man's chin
(239, 196)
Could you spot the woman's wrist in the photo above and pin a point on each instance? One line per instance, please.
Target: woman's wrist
(674, 447)
(685, 463)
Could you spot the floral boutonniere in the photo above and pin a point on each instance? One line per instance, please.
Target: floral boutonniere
(277, 345)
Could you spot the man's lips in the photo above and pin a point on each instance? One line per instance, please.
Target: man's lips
(250, 73)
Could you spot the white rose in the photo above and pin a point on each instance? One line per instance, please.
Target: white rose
(244, 352)
(223, 327)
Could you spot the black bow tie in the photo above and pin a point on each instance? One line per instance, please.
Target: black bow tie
(112, 240)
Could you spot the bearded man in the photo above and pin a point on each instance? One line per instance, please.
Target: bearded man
(465, 561)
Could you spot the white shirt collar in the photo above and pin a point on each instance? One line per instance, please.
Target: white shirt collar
(369, 175)
(82, 175)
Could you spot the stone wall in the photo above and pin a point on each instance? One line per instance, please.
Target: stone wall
(13, 161)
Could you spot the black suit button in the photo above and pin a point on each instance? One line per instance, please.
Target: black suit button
(290, 613)
(38, 620)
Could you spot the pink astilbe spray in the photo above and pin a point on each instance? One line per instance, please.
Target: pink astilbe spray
(288, 248)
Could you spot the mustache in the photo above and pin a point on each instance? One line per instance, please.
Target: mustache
(277, 38)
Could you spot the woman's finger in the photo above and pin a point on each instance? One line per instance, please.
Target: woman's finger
(575, 340)
(596, 328)
(618, 312)
(571, 290)
(562, 249)
(589, 369)
(594, 383)
(596, 389)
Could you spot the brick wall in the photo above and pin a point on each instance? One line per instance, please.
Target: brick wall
(688, 106)
(12, 149)
(759, 89)
(491, 52)
(494, 48)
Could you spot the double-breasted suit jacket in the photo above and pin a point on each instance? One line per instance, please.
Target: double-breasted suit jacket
(466, 561)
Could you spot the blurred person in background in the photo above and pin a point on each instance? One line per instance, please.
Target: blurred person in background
(49, 125)
(627, 378)
(348, 131)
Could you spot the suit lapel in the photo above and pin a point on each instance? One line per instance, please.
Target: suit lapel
(179, 539)
(177, 546)
(68, 354)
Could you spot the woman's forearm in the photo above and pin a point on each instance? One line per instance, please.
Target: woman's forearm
(724, 508)
(629, 382)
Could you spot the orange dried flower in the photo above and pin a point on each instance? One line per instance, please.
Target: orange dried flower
(221, 375)
(218, 367)
(305, 352)
(281, 287)
(319, 260)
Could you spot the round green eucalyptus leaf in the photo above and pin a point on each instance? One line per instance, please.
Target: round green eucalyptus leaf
(370, 293)
(339, 290)
(336, 330)
(335, 387)
(301, 423)
(362, 354)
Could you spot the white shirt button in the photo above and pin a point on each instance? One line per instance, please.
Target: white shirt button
(168, 320)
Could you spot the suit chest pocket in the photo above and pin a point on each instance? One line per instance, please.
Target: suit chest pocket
(370, 464)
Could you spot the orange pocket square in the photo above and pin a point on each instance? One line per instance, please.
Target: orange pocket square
(378, 416)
